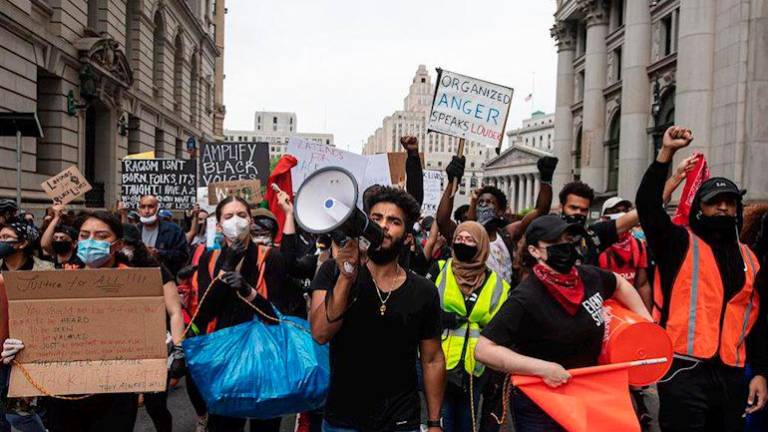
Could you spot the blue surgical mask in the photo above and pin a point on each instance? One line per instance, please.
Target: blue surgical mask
(94, 253)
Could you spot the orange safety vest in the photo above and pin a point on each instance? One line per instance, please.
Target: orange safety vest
(261, 284)
(696, 307)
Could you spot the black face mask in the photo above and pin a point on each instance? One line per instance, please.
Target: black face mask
(562, 257)
(61, 246)
(385, 256)
(577, 219)
(463, 252)
(6, 249)
(724, 226)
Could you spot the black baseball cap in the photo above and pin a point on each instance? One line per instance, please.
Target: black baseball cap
(549, 228)
(718, 186)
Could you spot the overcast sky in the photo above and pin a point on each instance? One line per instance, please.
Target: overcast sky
(343, 65)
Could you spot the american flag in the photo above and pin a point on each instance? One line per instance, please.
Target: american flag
(529, 97)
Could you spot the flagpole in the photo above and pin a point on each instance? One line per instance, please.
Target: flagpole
(528, 379)
(533, 92)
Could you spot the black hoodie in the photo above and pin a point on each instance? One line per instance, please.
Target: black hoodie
(669, 244)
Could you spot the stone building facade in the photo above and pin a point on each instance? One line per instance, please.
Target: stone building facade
(628, 69)
(276, 128)
(438, 148)
(107, 78)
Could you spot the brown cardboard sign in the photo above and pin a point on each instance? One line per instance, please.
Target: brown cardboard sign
(249, 190)
(397, 165)
(66, 186)
(88, 331)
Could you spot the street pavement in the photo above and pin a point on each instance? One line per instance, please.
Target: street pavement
(184, 418)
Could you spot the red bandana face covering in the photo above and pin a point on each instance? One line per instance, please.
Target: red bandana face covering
(567, 289)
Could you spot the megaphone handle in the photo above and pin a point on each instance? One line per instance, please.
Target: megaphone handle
(459, 153)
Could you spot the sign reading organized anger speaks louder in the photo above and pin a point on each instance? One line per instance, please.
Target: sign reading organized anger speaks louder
(469, 108)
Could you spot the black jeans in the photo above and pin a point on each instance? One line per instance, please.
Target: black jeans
(157, 409)
(113, 412)
(704, 396)
(529, 417)
(231, 424)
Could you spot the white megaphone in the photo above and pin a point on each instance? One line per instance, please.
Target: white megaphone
(327, 203)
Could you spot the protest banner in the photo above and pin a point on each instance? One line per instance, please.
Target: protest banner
(203, 200)
(229, 161)
(66, 186)
(249, 190)
(87, 331)
(377, 171)
(433, 188)
(172, 181)
(312, 156)
(469, 108)
(397, 165)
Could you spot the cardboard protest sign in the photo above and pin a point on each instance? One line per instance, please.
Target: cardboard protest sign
(144, 155)
(66, 186)
(249, 190)
(172, 181)
(397, 165)
(88, 331)
(469, 108)
(313, 156)
(228, 161)
(433, 189)
(377, 172)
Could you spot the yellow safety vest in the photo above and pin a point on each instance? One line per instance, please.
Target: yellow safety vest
(464, 339)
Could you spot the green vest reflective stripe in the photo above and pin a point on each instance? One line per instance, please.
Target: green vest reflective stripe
(464, 339)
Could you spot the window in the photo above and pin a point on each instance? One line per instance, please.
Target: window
(617, 14)
(613, 152)
(194, 97)
(274, 128)
(158, 54)
(178, 73)
(328, 142)
(130, 13)
(159, 143)
(258, 119)
(291, 120)
(179, 146)
(667, 34)
(423, 80)
(274, 120)
(577, 151)
(258, 127)
(581, 85)
(581, 41)
(93, 14)
(617, 64)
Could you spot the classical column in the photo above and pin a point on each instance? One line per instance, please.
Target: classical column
(526, 191)
(512, 193)
(520, 193)
(635, 97)
(530, 190)
(563, 32)
(593, 130)
(694, 76)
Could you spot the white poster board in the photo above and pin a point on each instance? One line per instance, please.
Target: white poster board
(377, 172)
(312, 156)
(432, 192)
(470, 108)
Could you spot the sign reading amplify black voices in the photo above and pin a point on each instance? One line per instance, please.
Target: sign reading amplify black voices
(172, 181)
(230, 161)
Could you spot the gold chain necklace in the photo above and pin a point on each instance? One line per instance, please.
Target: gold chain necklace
(383, 307)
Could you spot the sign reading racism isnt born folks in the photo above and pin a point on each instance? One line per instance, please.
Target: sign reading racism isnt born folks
(87, 331)
(229, 161)
(172, 181)
(469, 108)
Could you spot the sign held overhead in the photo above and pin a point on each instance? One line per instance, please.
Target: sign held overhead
(66, 186)
(469, 108)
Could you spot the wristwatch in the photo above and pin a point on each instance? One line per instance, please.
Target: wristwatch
(435, 423)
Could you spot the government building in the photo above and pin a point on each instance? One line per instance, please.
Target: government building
(629, 69)
(107, 78)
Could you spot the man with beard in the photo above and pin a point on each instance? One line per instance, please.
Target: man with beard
(375, 313)
(488, 206)
(709, 298)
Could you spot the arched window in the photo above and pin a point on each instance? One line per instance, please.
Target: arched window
(130, 17)
(158, 54)
(178, 74)
(613, 152)
(194, 96)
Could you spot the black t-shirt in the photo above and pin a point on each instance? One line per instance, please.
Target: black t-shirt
(532, 323)
(373, 357)
(599, 237)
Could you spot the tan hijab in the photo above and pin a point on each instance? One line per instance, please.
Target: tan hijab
(471, 275)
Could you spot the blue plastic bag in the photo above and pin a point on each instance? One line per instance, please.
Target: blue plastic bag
(258, 370)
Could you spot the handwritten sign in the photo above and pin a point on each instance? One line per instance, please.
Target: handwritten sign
(172, 181)
(249, 190)
(220, 162)
(312, 156)
(79, 327)
(66, 186)
(377, 172)
(432, 191)
(470, 108)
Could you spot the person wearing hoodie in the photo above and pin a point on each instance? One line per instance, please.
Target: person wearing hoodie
(164, 240)
(707, 297)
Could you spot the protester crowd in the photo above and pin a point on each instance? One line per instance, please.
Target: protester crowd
(446, 308)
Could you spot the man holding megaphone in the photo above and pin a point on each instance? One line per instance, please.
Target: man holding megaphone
(374, 312)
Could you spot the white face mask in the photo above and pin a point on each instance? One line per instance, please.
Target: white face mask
(148, 220)
(262, 240)
(615, 216)
(235, 228)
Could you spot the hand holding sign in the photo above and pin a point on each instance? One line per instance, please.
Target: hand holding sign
(66, 186)
(283, 200)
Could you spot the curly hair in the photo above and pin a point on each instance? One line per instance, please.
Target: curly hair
(398, 197)
(501, 198)
(753, 214)
(579, 189)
